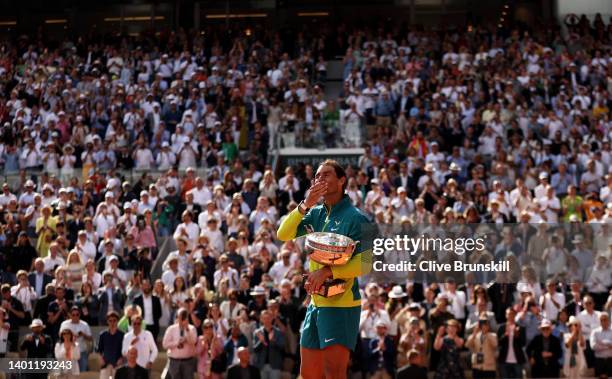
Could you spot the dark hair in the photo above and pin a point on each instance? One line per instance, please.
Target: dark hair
(340, 172)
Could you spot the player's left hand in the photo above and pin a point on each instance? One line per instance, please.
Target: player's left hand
(315, 279)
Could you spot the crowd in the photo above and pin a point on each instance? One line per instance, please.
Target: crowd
(115, 145)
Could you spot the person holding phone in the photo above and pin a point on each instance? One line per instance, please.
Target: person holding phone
(448, 343)
(331, 325)
(483, 345)
(180, 342)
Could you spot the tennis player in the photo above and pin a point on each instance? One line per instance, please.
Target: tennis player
(330, 328)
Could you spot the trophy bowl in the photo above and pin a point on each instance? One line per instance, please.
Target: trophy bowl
(329, 249)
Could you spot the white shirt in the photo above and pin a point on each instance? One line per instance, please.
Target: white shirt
(588, 321)
(146, 346)
(86, 251)
(457, 303)
(367, 323)
(193, 231)
(231, 274)
(201, 196)
(51, 263)
(76, 328)
(26, 295)
(147, 302)
(550, 311)
(278, 271)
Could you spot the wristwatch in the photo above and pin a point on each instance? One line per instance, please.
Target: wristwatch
(302, 208)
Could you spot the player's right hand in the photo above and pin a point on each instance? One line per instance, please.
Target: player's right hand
(316, 191)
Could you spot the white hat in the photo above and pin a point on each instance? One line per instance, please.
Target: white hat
(545, 323)
(37, 323)
(397, 292)
(543, 175)
(258, 290)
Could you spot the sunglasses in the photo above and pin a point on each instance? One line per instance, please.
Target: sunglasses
(137, 323)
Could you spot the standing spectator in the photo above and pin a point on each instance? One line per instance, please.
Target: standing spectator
(151, 307)
(413, 370)
(110, 298)
(483, 346)
(180, 342)
(544, 352)
(67, 349)
(38, 278)
(109, 347)
(601, 343)
(574, 362)
(381, 353)
(243, 369)
(268, 345)
(448, 343)
(82, 333)
(37, 345)
(143, 341)
(132, 370)
(57, 312)
(511, 339)
(589, 320)
(209, 350)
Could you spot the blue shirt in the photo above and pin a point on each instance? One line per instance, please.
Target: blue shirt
(109, 346)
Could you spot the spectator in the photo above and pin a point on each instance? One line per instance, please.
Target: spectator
(143, 341)
(151, 307)
(448, 343)
(110, 297)
(413, 369)
(511, 339)
(574, 362)
(483, 346)
(81, 333)
(36, 344)
(268, 344)
(381, 353)
(544, 352)
(602, 348)
(69, 350)
(132, 369)
(243, 369)
(209, 350)
(38, 278)
(180, 341)
(109, 347)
